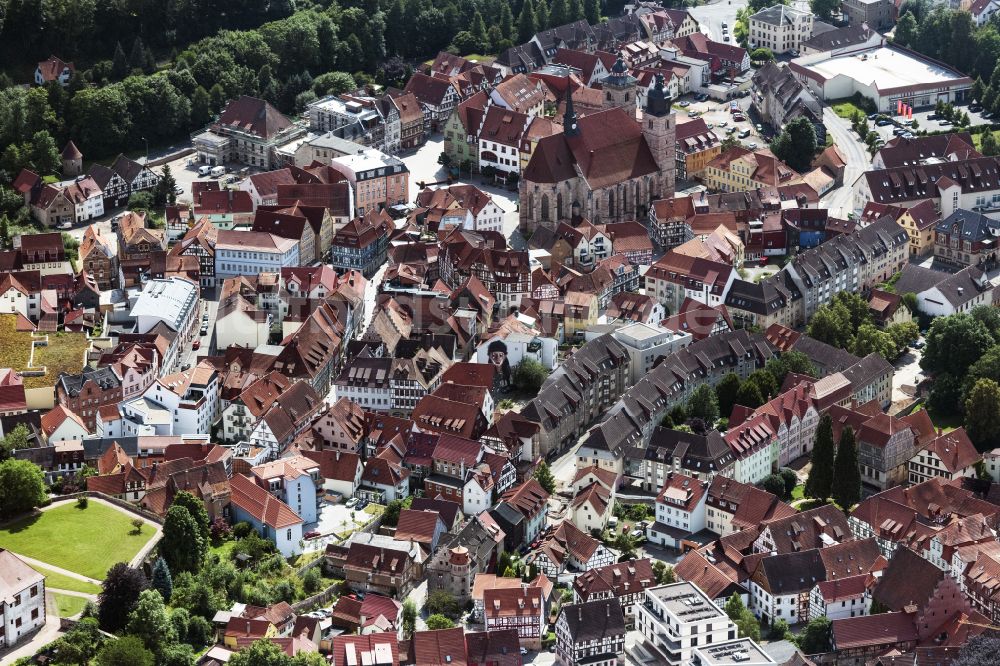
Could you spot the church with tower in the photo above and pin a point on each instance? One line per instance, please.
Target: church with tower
(607, 166)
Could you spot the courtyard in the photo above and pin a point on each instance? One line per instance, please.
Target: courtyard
(85, 541)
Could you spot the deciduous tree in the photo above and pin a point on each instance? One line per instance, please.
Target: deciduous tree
(543, 474)
(726, 391)
(22, 487)
(981, 409)
(703, 404)
(119, 595)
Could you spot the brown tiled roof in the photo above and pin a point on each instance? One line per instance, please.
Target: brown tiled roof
(529, 498)
(417, 526)
(53, 67)
(619, 579)
(376, 649)
(609, 148)
(253, 116)
(697, 569)
(873, 630)
(443, 647)
(908, 580)
(955, 450)
(520, 601)
(260, 504)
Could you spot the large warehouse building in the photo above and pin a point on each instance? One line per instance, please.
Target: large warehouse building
(885, 75)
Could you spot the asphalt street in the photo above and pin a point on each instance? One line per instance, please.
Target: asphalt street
(840, 201)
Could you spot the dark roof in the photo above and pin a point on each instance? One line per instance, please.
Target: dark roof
(706, 453)
(909, 579)
(791, 573)
(594, 620)
(253, 116)
(971, 226)
(837, 38)
(916, 279)
(105, 377)
(499, 648)
(873, 630)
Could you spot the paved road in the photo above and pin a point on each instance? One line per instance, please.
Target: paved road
(711, 17)
(840, 201)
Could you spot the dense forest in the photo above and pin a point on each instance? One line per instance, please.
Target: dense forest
(154, 70)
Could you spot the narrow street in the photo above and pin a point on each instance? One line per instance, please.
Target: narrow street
(840, 201)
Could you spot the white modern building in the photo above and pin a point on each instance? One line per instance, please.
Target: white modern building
(674, 620)
(885, 75)
(171, 301)
(294, 481)
(22, 599)
(184, 403)
(252, 252)
(646, 343)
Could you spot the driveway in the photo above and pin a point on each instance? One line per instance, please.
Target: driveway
(840, 201)
(907, 370)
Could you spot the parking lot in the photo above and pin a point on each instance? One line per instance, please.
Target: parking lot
(927, 120)
(717, 116)
(335, 520)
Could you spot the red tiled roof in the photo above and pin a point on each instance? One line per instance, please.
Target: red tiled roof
(873, 630)
(260, 504)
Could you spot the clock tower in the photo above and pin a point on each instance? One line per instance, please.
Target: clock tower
(570, 127)
(659, 126)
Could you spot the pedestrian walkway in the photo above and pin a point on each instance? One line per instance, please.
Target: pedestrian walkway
(66, 572)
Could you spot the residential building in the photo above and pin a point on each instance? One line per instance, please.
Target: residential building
(780, 28)
(592, 632)
(136, 175)
(437, 96)
(579, 391)
(739, 169)
(876, 14)
(293, 480)
(941, 294)
(967, 238)
(624, 581)
(22, 600)
(732, 506)
(54, 69)
(99, 257)
(965, 183)
(676, 277)
(252, 252)
(531, 501)
(248, 131)
(569, 548)
(779, 97)
(270, 517)
(524, 608)
(378, 180)
(361, 243)
(462, 557)
(675, 619)
(949, 456)
(680, 510)
(696, 146)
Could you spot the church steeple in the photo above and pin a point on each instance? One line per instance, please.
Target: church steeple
(569, 115)
(658, 100)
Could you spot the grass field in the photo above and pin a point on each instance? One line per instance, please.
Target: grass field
(798, 492)
(54, 579)
(977, 139)
(845, 109)
(85, 541)
(68, 605)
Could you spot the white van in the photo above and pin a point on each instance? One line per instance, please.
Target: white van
(218, 171)
(203, 170)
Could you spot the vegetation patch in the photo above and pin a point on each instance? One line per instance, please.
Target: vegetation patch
(57, 581)
(69, 605)
(64, 353)
(82, 540)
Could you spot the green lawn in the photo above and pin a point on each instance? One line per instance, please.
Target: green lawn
(85, 541)
(798, 492)
(947, 422)
(68, 605)
(56, 580)
(846, 109)
(977, 139)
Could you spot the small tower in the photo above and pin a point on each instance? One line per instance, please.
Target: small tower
(619, 87)
(461, 568)
(72, 161)
(659, 126)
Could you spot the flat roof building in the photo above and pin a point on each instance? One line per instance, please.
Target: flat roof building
(885, 75)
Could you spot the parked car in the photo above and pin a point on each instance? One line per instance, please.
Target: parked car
(65, 225)
(311, 535)
(743, 134)
(178, 189)
(739, 117)
(975, 108)
(684, 104)
(873, 116)
(196, 345)
(723, 123)
(351, 502)
(524, 651)
(883, 122)
(752, 146)
(204, 330)
(944, 123)
(725, 37)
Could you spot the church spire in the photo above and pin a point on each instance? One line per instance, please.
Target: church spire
(658, 100)
(569, 115)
